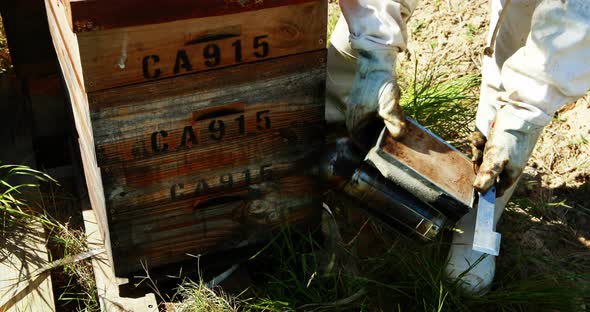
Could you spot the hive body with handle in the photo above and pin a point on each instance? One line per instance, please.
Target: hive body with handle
(196, 126)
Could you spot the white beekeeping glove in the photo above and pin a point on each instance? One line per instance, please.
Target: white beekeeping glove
(378, 31)
(375, 93)
(507, 150)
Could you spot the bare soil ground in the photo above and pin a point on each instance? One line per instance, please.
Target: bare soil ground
(451, 34)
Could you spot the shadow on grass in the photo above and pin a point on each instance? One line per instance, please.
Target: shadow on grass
(370, 269)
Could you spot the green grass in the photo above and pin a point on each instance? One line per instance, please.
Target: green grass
(302, 274)
(78, 290)
(470, 32)
(447, 107)
(22, 201)
(196, 296)
(13, 207)
(299, 272)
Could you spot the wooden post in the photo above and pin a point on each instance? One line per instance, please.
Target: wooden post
(107, 285)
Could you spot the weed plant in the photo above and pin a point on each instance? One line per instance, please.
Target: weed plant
(197, 296)
(17, 183)
(13, 208)
(300, 274)
(78, 291)
(444, 106)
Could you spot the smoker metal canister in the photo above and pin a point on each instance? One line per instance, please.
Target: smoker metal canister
(427, 167)
(342, 168)
(394, 205)
(390, 184)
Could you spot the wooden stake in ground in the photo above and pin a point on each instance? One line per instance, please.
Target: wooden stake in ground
(107, 285)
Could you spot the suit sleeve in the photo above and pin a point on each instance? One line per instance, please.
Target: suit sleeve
(553, 68)
(378, 24)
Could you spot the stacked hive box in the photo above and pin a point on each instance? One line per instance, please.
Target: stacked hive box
(198, 121)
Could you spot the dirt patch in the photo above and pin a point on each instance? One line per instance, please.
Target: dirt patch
(558, 175)
(561, 157)
(447, 34)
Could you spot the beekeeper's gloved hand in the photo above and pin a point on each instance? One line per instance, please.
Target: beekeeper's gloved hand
(478, 143)
(506, 152)
(375, 93)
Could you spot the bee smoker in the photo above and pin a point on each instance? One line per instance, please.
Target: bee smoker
(418, 184)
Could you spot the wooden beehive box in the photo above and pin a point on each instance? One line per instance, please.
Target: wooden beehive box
(199, 122)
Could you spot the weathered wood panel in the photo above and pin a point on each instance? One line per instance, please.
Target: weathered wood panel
(123, 56)
(139, 97)
(23, 254)
(168, 233)
(197, 155)
(147, 120)
(89, 15)
(107, 285)
(178, 171)
(146, 183)
(160, 140)
(148, 148)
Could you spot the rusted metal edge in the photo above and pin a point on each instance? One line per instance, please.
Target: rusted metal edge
(461, 205)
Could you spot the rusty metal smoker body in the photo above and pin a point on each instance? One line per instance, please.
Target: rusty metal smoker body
(407, 198)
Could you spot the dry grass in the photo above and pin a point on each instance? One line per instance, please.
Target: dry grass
(78, 290)
(546, 227)
(23, 200)
(5, 62)
(198, 297)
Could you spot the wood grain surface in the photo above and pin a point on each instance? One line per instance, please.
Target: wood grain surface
(23, 254)
(169, 233)
(128, 55)
(164, 117)
(66, 47)
(90, 15)
(162, 140)
(175, 184)
(107, 285)
(197, 135)
(154, 181)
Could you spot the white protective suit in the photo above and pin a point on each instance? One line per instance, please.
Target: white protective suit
(541, 62)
